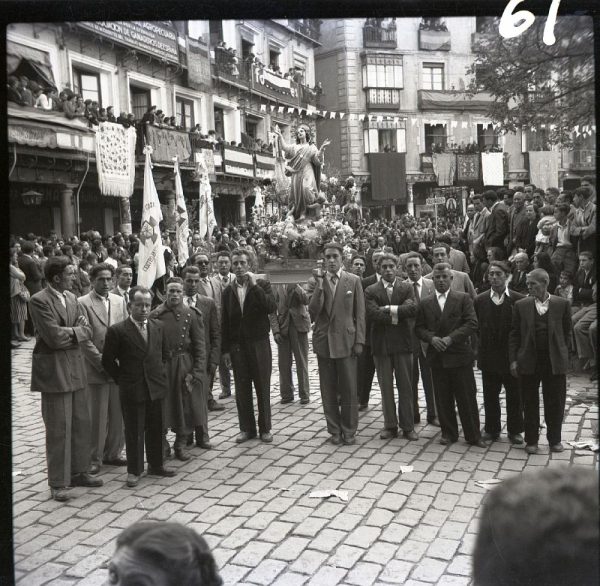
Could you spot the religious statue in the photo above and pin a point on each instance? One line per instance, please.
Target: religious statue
(304, 168)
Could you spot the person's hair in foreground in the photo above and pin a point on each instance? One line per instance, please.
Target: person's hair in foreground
(540, 528)
(166, 554)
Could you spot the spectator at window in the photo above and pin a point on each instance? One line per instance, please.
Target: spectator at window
(110, 115)
(41, 100)
(12, 90)
(150, 116)
(26, 94)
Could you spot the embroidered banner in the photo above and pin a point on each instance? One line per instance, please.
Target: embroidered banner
(115, 159)
(468, 167)
(167, 144)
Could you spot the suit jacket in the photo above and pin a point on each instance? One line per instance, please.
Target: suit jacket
(388, 338)
(33, 273)
(212, 329)
(365, 283)
(461, 282)
(519, 281)
(339, 321)
(525, 234)
(138, 367)
(427, 290)
(477, 231)
(515, 219)
(521, 341)
(253, 322)
(458, 321)
(57, 364)
(497, 227)
(208, 289)
(582, 287)
(492, 353)
(218, 288)
(291, 301)
(458, 260)
(95, 312)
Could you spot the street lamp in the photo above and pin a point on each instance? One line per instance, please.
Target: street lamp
(32, 198)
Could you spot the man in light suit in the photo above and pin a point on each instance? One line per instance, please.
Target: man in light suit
(220, 281)
(290, 325)
(58, 373)
(337, 308)
(460, 281)
(389, 305)
(422, 288)
(103, 309)
(446, 322)
(133, 356)
(476, 239)
(538, 353)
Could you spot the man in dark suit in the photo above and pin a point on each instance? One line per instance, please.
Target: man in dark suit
(389, 304)
(133, 356)
(124, 277)
(58, 373)
(446, 322)
(518, 282)
(103, 309)
(246, 305)
(498, 221)
(33, 275)
(290, 325)
(422, 288)
(494, 310)
(337, 308)
(206, 308)
(365, 363)
(460, 281)
(538, 342)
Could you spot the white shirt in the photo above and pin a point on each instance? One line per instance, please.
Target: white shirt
(441, 298)
(105, 301)
(111, 261)
(191, 300)
(241, 292)
(499, 299)
(225, 282)
(389, 287)
(542, 307)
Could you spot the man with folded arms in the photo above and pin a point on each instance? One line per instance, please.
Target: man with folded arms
(389, 304)
(133, 356)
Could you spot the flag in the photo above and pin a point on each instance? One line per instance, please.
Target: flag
(207, 213)
(151, 263)
(182, 228)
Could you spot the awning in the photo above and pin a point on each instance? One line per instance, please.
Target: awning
(32, 63)
(450, 100)
(388, 176)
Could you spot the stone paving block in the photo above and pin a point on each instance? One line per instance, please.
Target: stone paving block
(276, 531)
(380, 553)
(462, 565)
(86, 566)
(435, 517)
(395, 533)
(327, 540)
(410, 517)
(429, 570)
(391, 501)
(290, 579)
(447, 580)
(232, 574)
(239, 538)
(252, 553)
(260, 521)
(266, 572)
(44, 574)
(298, 513)
(452, 530)
(396, 572)
(310, 526)
(327, 575)
(346, 556)
(443, 548)
(363, 574)
(102, 537)
(363, 536)
(39, 558)
(290, 548)
(308, 561)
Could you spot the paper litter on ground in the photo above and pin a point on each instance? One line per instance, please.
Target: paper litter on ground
(323, 494)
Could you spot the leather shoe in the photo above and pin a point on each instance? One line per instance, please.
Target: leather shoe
(479, 444)
(204, 445)
(489, 437)
(214, 406)
(363, 407)
(286, 400)
(446, 441)
(189, 441)
(182, 455)
(515, 438)
(60, 494)
(557, 447)
(132, 480)
(349, 441)
(94, 469)
(388, 433)
(417, 418)
(266, 437)
(84, 479)
(225, 395)
(434, 421)
(531, 448)
(335, 439)
(410, 435)
(115, 462)
(164, 471)
(304, 401)
(244, 436)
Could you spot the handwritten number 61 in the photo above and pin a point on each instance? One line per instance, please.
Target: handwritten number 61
(512, 24)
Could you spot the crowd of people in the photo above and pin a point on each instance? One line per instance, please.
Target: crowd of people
(396, 298)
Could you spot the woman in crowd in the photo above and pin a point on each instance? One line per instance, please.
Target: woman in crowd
(18, 299)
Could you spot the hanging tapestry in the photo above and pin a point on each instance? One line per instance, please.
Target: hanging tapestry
(468, 167)
(115, 159)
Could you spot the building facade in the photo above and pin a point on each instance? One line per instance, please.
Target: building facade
(401, 84)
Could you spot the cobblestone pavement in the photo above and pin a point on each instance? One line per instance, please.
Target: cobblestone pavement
(251, 501)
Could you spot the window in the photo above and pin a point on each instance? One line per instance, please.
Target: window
(382, 72)
(435, 134)
(385, 140)
(215, 28)
(219, 124)
(535, 141)
(251, 126)
(140, 101)
(185, 113)
(383, 97)
(87, 84)
(274, 58)
(486, 136)
(433, 76)
(247, 48)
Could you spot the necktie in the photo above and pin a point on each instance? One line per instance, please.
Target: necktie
(225, 280)
(190, 302)
(143, 330)
(442, 301)
(390, 289)
(416, 290)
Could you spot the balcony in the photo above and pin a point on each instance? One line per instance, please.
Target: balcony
(453, 100)
(583, 159)
(307, 27)
(378, 36)
(383, 98)
(434, 40)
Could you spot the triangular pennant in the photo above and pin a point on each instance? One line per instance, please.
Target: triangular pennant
(280, 109)
(464, 124)
(263, 107)
(352, 117)
(332, 114)
(342, 114)
(290, 110)
(324, 113)
(379, 118)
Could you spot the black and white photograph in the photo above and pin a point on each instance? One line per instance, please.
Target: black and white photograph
(302, 301)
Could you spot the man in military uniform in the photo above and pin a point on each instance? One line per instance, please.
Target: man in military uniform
(186, 363)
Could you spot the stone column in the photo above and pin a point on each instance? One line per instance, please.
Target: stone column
(242, 204)
(67, 213)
